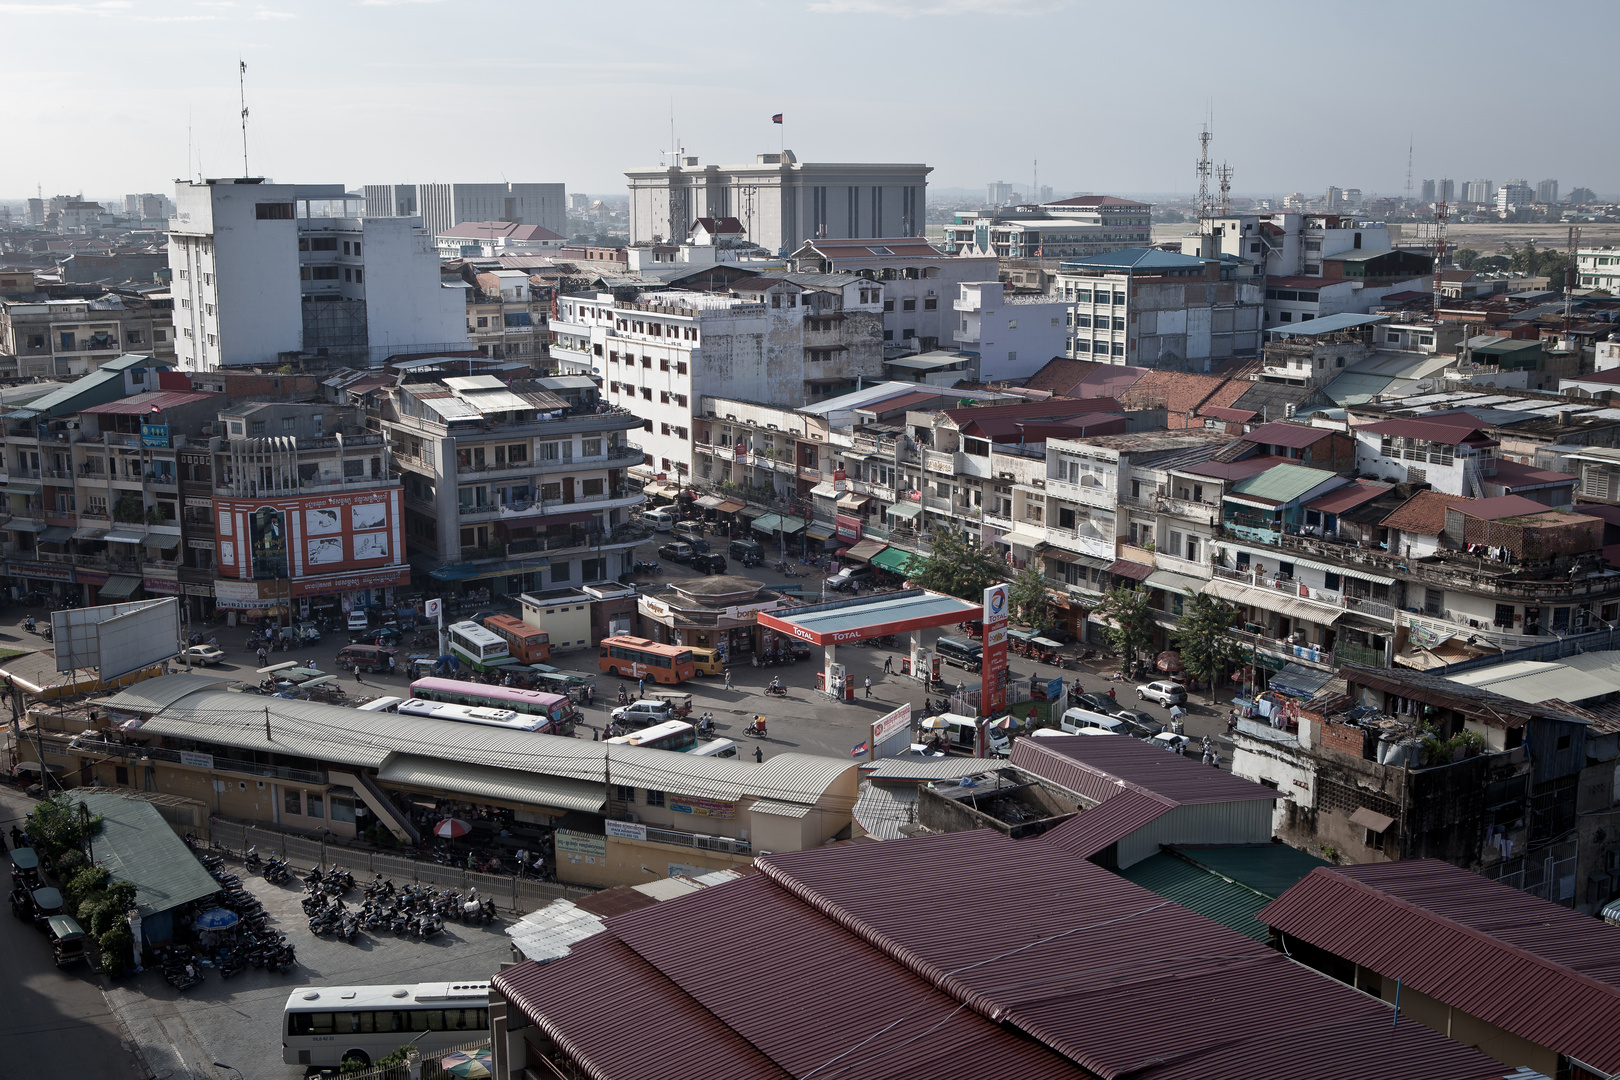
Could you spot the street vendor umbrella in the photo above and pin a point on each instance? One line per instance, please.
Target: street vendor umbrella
(216, 919)
(1169, 661)
(476, 1064)
(935, 723)
(451, 828)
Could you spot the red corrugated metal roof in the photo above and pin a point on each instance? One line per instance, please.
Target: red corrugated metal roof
(1101, 768)
(1515, 474)
(1293, 436)
(1531, 967)
(1450, 429)
(152, 399)
(1502, 506)
(1349, 497)
(1090, 831)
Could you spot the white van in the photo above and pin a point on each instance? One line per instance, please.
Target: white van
(714, 748)
(382, 704)
(1077, 721)
(1058, 733)
(661, 519)
(963, 734)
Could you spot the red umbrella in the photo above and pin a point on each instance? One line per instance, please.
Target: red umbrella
(451, 828)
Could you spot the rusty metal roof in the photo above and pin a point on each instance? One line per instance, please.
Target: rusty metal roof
(1102, 768)
(1089, 832)
(1534, 968)
(1098, 978)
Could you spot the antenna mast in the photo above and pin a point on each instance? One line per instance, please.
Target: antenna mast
(1205, 209)
(1570, 275)
(1225, 174)
(1441, 212)
(1409, 170)
(241, 75)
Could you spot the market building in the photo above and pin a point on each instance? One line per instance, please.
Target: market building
(716, 612)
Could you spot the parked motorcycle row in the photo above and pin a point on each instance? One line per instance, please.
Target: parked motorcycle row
(250, 943)
(415, 911)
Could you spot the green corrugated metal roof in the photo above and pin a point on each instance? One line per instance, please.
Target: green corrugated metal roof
(1264, 870)
(100, 386)
(136, 845)
(1284, 483)
(893, 559)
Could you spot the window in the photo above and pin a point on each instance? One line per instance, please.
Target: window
(257, 427)
(1434, 601)
(888, 305)
(908, 304)
(930, 303)
(276, 211)
(1504, 615)
(323, 273)
(624, 794)
(289, 423)
(323, 243)
(291, 802)
(359, 274)
(133, 337)
(1066, 517)
(655, 798)
(1192, 549)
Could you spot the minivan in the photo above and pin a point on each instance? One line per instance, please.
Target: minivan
(690, 531)
(661, 519)
(1074, 721)
(369, 657)
(747, 552)
(707, 661)
(963, 734)
(964, 654)
(643, 713)
(714, 748)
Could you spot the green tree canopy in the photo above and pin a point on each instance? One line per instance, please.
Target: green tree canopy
(1208, 649)
(56, 826)
(1466, 258)
(963, 568)
(1028, 596)
(1130, 630)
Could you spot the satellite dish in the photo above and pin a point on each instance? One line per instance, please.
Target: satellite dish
(1423, 386)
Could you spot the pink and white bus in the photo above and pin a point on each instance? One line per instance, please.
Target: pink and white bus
(558, 711)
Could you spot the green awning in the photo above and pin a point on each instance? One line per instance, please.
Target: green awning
(119, 587)
(768, 523)
(790, 525)
(905, 509)
(895, 559)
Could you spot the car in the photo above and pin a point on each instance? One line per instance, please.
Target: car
(387, 635)
(678, 551)
(1169, 740)
(711, 564)
(850, 577)
(358, 620)
(1165, 693)
(747, 552)
(643, 713)
(306, 633)
(1097, 703)
(1146, 726)
(690, 531)
(204, 654)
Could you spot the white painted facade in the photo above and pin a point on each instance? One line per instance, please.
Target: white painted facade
(1014, 337)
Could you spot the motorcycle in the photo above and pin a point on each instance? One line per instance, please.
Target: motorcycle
(647, 567)
(705, 726)
(776, 691)
(250, 858)
(756, 730)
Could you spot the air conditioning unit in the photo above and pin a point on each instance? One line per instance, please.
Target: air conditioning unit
(731, 416)
(1004, 476)
(1037, 483)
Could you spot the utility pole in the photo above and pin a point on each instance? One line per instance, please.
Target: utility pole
(1409, 170)
(1571, 276)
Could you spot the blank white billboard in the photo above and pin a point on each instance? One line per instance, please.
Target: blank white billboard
(116, 639)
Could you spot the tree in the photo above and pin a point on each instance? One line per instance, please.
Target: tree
(1208, 651)
(1522, 259)
(1028, 596)
(1169, 217)
(1492, 264)
(55, 826)
(960, 567)
(1466, 258)
(1131, 622)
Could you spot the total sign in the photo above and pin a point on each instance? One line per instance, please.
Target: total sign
(993, 670)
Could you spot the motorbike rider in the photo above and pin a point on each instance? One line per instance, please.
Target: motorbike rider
(758, 726)
(776, 683)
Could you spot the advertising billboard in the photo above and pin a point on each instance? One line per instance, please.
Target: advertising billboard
(993, 671)
(891, 733)
(267, 542)
(116, 639)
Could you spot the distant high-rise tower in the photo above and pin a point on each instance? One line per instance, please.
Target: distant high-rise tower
(1334, 199)
(998, 193)
(1547, 191)
(1479, 191)
(1448, 191)
(1428, 192)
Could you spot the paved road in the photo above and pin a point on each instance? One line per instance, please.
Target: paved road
(56, 1022)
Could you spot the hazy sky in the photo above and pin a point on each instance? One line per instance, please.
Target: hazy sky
(1108, 97)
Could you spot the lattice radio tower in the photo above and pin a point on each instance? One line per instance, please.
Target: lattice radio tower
(1225, 174)
(1206, 209)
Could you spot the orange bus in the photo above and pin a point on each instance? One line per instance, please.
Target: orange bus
(638, 658)
(523, 641)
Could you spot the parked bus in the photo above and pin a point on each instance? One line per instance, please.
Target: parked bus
(382, 704)
(478, 647)
(328, 1025)
(472, 714)
(638, 658)
(523, 641)
(676, 735)
(556, 709)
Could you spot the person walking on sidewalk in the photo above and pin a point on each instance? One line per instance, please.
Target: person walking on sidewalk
(727, 674)
(888, 665)
(357, 677)
(869, 686)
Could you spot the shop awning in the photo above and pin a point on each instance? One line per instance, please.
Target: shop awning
(18, 487)
(790, 525)
(1125, 568)
(852, 501)
(863, 551)
(1298, 681)
(1176, 583)
(164, 541)
(768, 523)
(126, 534)
(1272, 600)
(119, 587)
(825, 489)
(896, 559)
(1371, 820)
(745, 511)
(731, 506)
(709, 502)
(818, 531)
(89, 532)
(55, 534)
(905, 509)
(1021, 539)
(25, 525)
(661, 488)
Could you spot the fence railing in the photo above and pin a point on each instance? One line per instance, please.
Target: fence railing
(520, 895)
(423, 1065)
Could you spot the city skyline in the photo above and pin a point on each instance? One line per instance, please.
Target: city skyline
(395, 88)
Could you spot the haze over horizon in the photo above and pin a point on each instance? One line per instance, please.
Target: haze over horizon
(1106, 97)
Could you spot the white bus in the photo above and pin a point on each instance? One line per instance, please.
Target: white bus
(479, 647)
(382, 704)
(676, 735)
(472, 714)
(715, 748)
(328, 1025)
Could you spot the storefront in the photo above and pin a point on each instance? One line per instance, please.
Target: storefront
(55, 580)
(712, 613)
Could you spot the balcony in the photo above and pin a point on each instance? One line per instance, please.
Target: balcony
(1311, 655)
(19, 473)
(1099, 496)
(1259, 729)
(1201, 512)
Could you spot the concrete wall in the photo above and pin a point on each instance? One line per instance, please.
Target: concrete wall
(405, 303)
(1487, 1038)
(1246, 822)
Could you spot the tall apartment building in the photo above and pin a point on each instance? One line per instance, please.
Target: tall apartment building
(998, 193)
(1064, 229)
(1599, 268)
(780, 201)
(1427, 195)
(442, 206)
(1448, 191)
(262, 270)
(516, 488)
(1159, 309)
(1479, 191)
(1514, 194)
(778, 341)
(1547, 191)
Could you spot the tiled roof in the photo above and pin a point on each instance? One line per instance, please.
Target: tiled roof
(1503, 506)
(1292, 436)
(1349, 497)
(1424, 513)
(1101, 768)
(1450, 429)
(1061, 375)
(1178, 391)
(1236, 470)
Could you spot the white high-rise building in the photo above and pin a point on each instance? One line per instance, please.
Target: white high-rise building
(442, 206)
(1514, 194)
(260, 270)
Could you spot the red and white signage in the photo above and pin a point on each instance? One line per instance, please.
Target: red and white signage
(993, 671)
